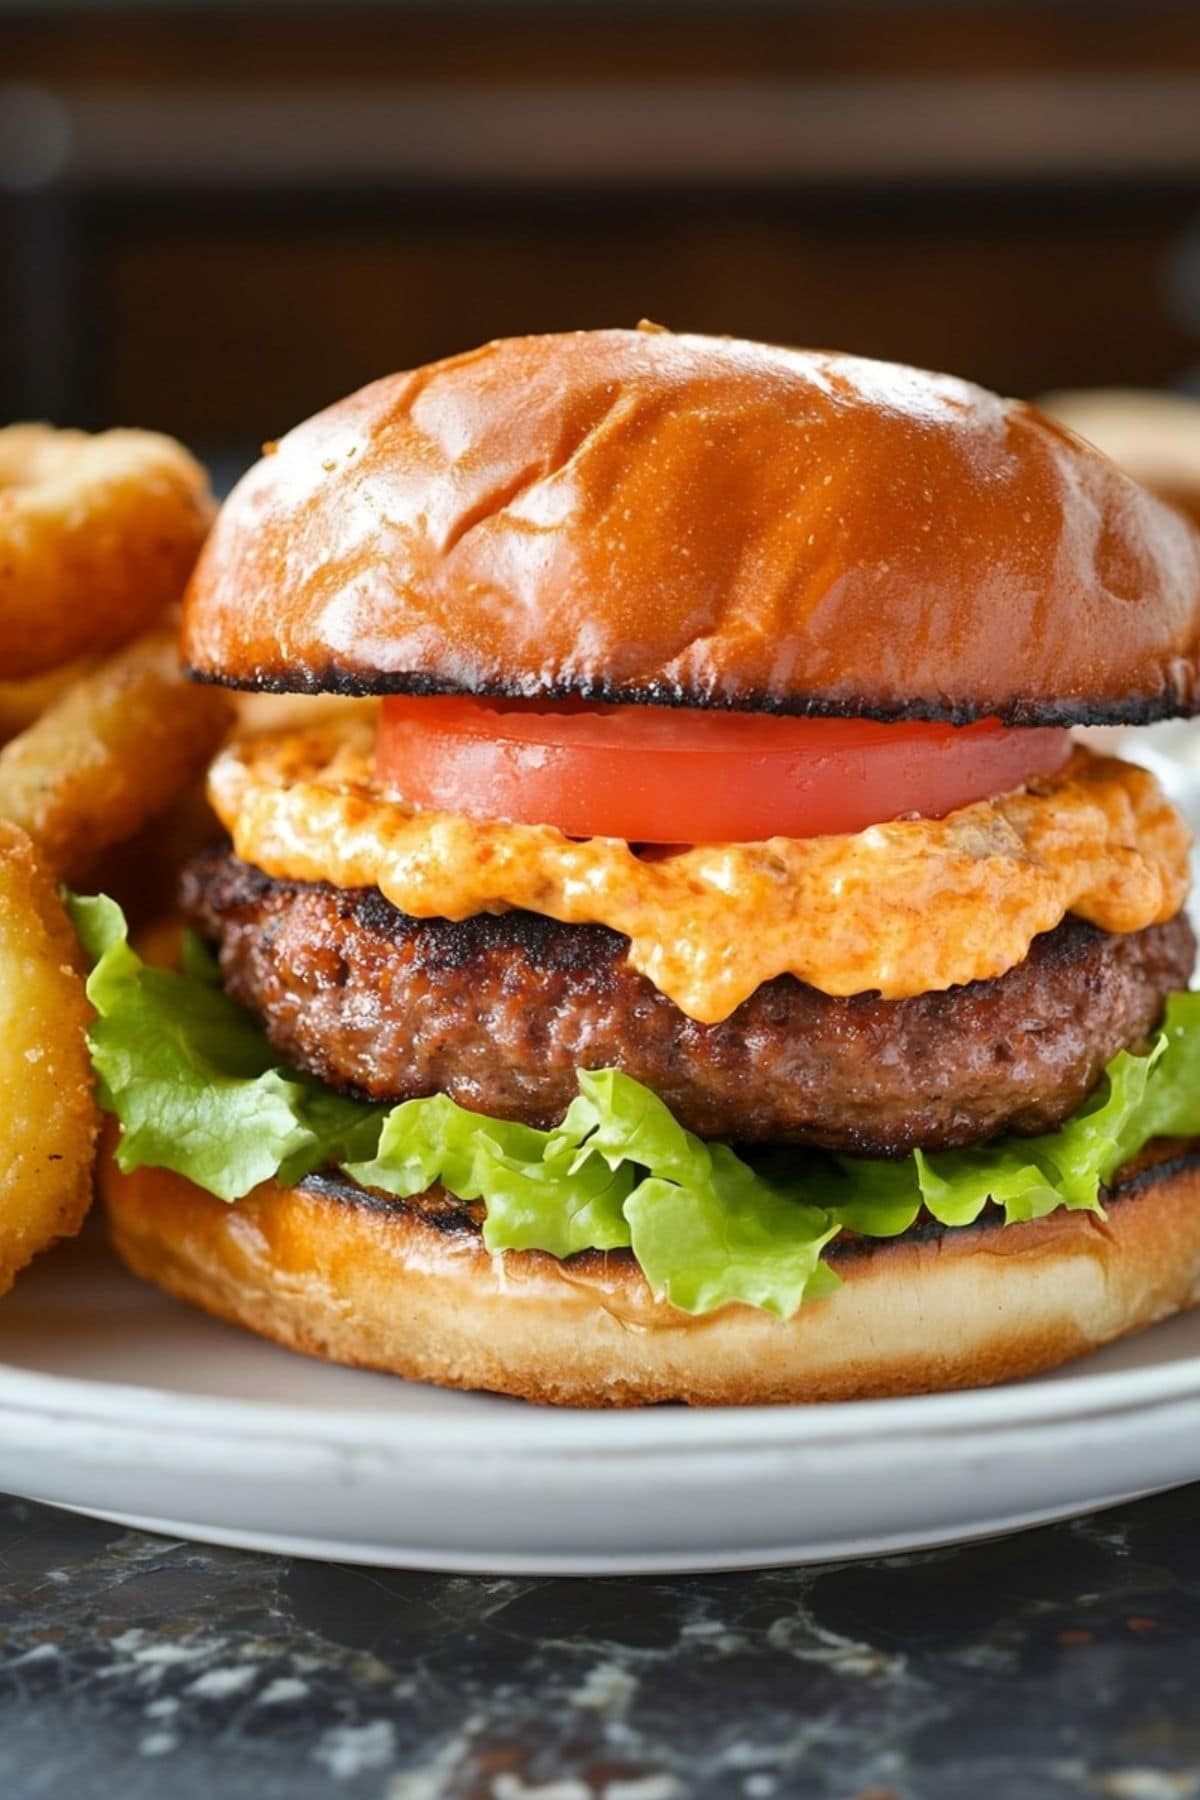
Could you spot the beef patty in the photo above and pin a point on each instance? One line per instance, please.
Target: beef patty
(499, 1011)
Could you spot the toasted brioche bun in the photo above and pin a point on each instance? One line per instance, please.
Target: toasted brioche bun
(409, 1288)
(640, 516)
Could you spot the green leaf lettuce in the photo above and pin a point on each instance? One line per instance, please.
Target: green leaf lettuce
(197, 1089)
(191, 1077)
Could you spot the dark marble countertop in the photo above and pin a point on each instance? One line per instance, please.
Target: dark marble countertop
(1056, 1665)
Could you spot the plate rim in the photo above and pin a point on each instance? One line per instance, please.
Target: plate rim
(610, 1565)
(566, 1431)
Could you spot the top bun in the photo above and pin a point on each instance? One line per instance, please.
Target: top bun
(640, 516)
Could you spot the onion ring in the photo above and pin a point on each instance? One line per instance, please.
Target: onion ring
(48, 1117)
(22, 703)
(114, 750)
(98, 533)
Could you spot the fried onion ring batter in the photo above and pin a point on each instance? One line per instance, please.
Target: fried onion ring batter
(48, 1119)
(110, 753)
(97, 534)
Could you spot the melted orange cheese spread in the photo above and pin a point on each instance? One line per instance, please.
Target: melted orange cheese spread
(903, 908)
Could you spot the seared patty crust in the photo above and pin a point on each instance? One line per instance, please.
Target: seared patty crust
(500, 1010)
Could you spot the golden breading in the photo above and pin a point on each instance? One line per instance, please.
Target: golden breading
(97, 535)
(48, 1118)
(22, 703)
(116, 748)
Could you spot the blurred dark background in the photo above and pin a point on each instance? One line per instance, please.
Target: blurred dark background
(216, 217)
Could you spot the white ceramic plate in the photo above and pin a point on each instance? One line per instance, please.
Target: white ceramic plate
(116, 1401)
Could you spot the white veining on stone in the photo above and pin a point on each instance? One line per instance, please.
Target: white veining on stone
(348, 1751)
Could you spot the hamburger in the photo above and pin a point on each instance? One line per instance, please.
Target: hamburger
(703, 967)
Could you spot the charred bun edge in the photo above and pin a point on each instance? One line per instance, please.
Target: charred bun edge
(407, 1287)
(458, 1219)
(942, 709)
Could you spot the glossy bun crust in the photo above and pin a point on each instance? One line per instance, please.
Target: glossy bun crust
(409, 1288)
(641, 516)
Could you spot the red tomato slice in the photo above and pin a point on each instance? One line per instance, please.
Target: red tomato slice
(661, 775)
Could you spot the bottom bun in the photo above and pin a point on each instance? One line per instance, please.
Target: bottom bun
(408, 1287)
